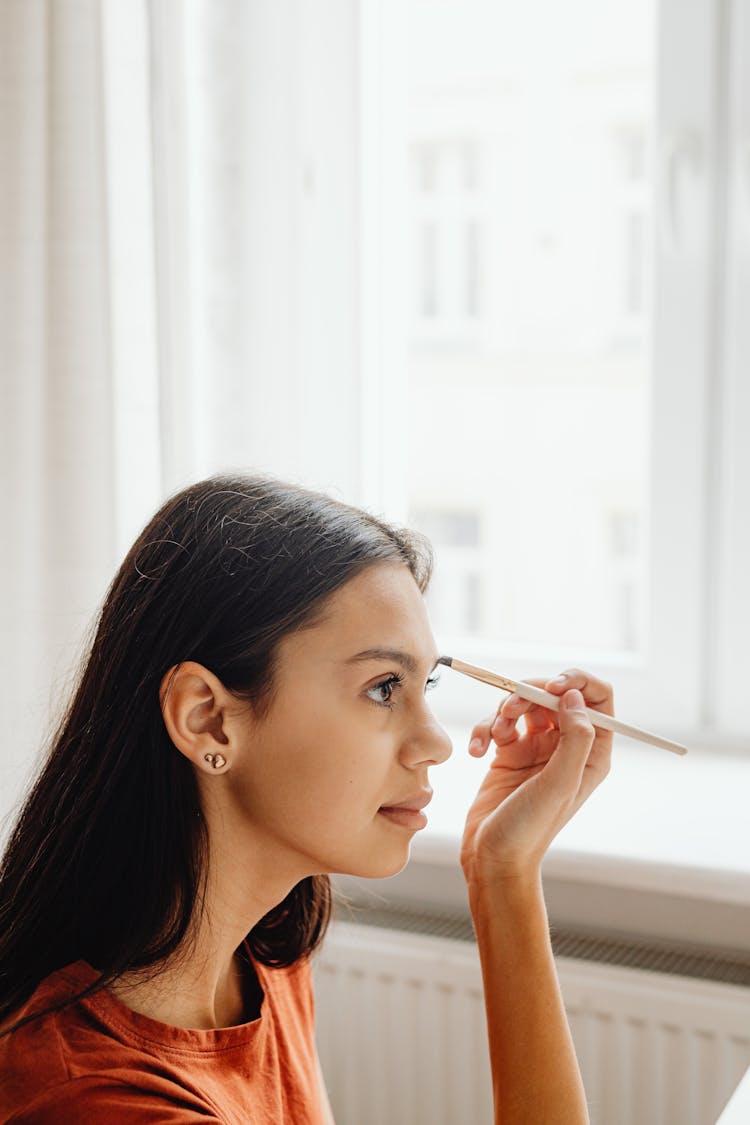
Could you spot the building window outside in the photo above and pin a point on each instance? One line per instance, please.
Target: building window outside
(447, 226)
(455, 594)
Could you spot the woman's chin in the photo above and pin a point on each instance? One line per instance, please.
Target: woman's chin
(383, 865)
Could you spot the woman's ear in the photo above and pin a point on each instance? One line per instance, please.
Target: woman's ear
(193, 705)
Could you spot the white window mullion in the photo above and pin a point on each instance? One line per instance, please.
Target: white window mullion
(733, 547)
(385, 281)
(685, 249)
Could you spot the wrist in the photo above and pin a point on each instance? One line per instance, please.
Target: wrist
(504, 894)
(511, 926)
(496, 878)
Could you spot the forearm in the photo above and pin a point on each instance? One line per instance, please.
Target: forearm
(535, 1073)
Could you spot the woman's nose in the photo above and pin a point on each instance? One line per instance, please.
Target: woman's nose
(430, 743)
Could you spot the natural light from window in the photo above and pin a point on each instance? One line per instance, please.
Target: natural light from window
(530, 137)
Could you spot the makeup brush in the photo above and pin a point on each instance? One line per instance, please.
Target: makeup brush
(552, 703)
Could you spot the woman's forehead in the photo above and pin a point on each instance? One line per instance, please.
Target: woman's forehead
(382, 608)
(389, 583)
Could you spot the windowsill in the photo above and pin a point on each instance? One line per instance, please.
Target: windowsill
(656, 819)
(660, 851)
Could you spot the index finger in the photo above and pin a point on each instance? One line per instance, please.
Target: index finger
(596, 693)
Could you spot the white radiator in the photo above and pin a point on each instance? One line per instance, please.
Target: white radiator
(402, 1034)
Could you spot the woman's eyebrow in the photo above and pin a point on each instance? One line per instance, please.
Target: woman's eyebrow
(405, 659)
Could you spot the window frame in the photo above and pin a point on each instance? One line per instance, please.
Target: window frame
(729, 683)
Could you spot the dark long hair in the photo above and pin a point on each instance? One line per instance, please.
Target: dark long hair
(108, 856)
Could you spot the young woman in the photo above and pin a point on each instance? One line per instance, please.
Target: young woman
(251, 716)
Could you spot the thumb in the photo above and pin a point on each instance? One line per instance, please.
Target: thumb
(576, 739)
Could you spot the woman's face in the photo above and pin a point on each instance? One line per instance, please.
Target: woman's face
(345, 740)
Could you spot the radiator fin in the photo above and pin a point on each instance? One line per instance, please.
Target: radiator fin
(402, 1035)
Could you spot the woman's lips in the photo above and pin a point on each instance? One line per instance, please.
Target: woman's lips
(413, 819)
(408, 813)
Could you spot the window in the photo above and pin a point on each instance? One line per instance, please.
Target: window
(489, 259)
(632, 200)
(446, 229)
(456, 594)
(575, 205)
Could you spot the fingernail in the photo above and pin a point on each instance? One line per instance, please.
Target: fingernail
(475, 744)
(573, 701)
(559, 680)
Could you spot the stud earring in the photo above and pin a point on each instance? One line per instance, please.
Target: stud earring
(215, 760)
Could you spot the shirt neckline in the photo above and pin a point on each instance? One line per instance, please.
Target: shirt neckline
(134, 1025)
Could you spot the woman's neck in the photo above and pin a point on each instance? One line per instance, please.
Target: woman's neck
(174, 998)
(206, 984)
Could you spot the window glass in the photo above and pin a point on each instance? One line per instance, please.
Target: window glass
(530, 131)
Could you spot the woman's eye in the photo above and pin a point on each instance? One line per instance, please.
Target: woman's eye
(387, 686)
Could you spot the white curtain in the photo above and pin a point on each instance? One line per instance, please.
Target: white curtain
(58, 435)
(178, 291)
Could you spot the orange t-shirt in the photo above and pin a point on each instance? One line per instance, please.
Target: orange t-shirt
(99, 1061)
